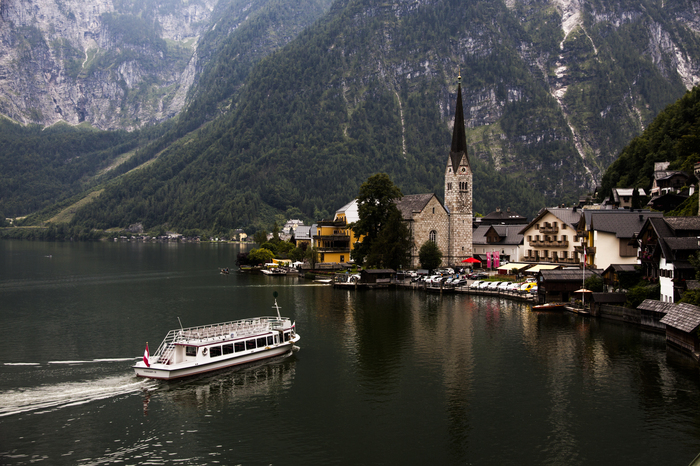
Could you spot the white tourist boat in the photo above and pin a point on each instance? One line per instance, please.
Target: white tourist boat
(194, 350)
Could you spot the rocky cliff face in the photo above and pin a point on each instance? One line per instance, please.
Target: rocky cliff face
(110, 64)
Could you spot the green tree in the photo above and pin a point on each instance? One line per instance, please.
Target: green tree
(594, 283)
(375, 206)
(312, 256)
(260, 256)
(260, 237)
(429, 255)
(636, 201)
(392, 246)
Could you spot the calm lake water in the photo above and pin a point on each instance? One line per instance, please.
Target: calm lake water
(381, 377)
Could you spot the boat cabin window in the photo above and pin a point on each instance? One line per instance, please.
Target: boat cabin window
(250, 344)
(190, 351)
(227, 349)
(214, 351)
(286, 336)
(277, 339)
(239, 346)
(269, 341)
(261, 342)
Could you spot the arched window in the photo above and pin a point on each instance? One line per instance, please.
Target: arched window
(433, 236)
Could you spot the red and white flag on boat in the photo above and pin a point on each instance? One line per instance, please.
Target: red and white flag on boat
(145, 356)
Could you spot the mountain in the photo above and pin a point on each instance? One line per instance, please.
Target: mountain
(553, 91)
(124, 64)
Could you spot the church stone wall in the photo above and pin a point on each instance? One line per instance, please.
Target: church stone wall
(433, 218)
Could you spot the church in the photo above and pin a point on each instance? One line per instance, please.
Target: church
(448, 224)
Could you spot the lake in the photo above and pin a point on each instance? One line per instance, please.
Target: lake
(381, 377)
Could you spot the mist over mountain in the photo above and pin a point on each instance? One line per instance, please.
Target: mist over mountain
(553, 91)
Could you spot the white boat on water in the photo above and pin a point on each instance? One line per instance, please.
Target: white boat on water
(194, 350)
(275, 271)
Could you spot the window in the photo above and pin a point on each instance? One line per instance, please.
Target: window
(342, 258)
(463, 186)
(529, 238)
(239, 346)
(433, 209)
(250, 344)
(433, 236)
(190, 351)
(563, 238)
(270, 341)
(563, 226)
(227, 349)
(286, 336)
(564, 254)
(449, 186)
(214, 351)
(537, 226)
(262, 341)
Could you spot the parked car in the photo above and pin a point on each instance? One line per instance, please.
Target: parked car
(459, 282)
(493, 285)
(475, 285)
(484, 285)
(478, 276)
(527, 287)
(503, 286)
(514, 286)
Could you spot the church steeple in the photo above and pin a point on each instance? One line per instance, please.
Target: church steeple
(459, 137)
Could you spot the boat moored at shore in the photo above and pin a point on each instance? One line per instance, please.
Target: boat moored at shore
(195, 350)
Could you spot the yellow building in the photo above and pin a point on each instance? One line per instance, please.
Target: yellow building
(333, 238)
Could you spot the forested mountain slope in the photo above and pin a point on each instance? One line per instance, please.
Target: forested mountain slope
(553, 91)
(674, 136)
(125, 83)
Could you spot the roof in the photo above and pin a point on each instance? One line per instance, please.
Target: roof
(513, 265)
(655, 306)
(302, 232)
(413, 203)
(350, 210)
(459, 136)
(621, 223)
(684, 317)
(510, 234)
(683, 224)
(565, 214)
(628, 191)
(666, 174)
(538, 267)
(499, 216)
(566, 275)
(617, 268)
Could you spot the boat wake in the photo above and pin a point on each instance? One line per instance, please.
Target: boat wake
(47, 398)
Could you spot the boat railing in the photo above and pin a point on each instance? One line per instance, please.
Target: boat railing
(233, 329)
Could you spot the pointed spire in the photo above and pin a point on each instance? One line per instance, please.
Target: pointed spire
(459, 137)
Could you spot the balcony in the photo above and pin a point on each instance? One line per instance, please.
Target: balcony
(552, 260)
(549, 244)
(549, 229)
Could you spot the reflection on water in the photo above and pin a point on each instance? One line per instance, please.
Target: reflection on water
(230, 386)
(382, 377)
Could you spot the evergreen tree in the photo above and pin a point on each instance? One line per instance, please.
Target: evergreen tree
(636, 201)
(429, 255)
(392, 246)
(375, 206)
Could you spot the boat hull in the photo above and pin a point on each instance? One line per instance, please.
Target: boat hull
(176, 371)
